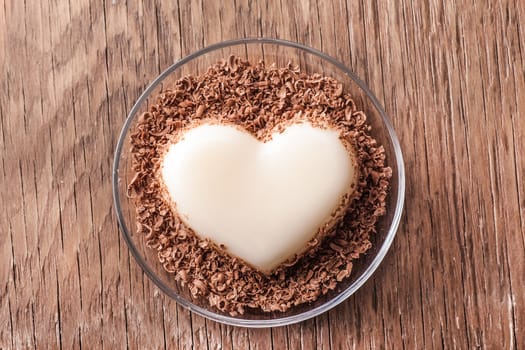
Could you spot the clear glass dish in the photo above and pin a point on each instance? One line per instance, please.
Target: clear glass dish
(310, 61)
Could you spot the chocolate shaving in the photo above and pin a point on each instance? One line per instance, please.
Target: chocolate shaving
(259, 99)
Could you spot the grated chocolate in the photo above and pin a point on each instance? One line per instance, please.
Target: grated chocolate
(259, 99)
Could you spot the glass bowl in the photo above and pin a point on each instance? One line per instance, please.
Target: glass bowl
(310, 61)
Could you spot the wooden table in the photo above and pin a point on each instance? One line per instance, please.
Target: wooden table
(451, 77)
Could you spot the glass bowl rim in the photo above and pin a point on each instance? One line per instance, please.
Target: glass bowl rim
(280, 321)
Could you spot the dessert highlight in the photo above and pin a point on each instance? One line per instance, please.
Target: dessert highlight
(258, 186)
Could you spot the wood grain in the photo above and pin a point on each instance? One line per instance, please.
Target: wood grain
(451, 77)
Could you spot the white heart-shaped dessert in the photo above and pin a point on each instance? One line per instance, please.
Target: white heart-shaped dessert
(262, 201)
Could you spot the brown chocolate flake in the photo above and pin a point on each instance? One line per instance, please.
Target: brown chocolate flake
(260, 99)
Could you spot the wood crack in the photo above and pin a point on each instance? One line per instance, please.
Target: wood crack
(59, 313)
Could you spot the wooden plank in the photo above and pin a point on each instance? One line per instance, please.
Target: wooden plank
(450, 75)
